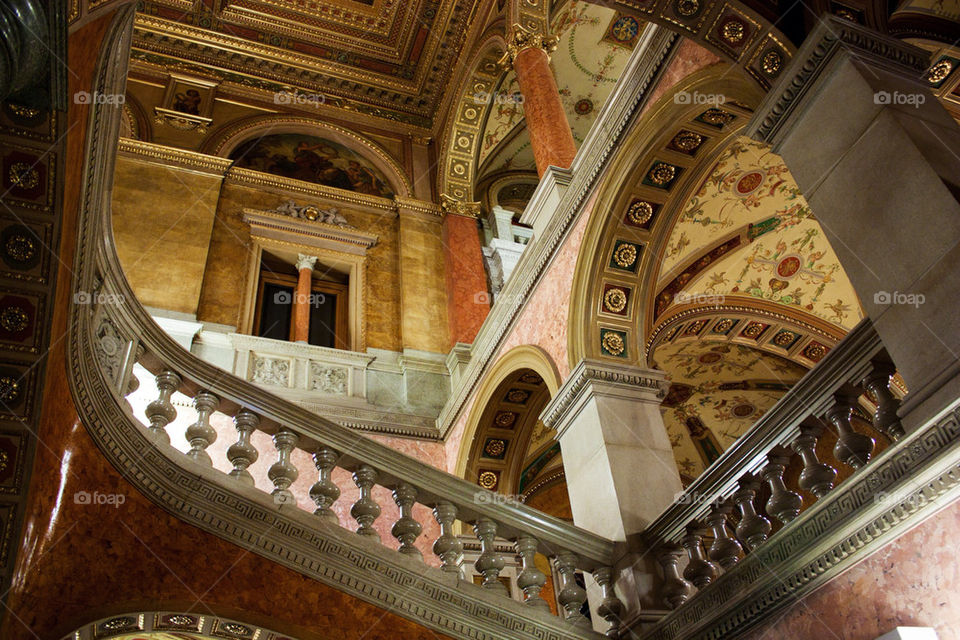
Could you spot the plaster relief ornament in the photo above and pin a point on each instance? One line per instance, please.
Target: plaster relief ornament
(313, 213)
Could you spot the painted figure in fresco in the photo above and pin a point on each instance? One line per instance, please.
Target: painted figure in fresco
(187, 102)
(364, 180)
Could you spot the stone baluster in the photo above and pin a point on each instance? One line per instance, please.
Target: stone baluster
(817, 477)
(531, 579)
(200, 434)
(241, 453)
(490, 563)
(784, 505)
(753, 528)
(610, 607)
(885, 418)
(283, 472)
(675, 590)
(324, 491)
(365, 510)
(571, 595)
(699, 571)
(852, 448)
(406, 529)
(725, 550)
(161, 412)
(447, 546)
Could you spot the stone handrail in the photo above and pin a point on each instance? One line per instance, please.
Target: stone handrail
(110, 333)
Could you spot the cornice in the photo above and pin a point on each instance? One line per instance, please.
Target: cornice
(625, 379)
(832, 39)
(166, 155)
(251, 178)
(324, 235)
(620, 109)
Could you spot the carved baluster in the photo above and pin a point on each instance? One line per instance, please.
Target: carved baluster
(200, 434)
(725, 550)
(885, 418)
(852, 448)
(784, 505)
(699, 571)
(675, 590)
(406, 529)
(241, 453)
(324, 491)
(161, 412)
(571, 595)
(447, 546)
(531, 579)
(365, 510)
(283, 473)
(753, 528)
(817, 477)
(490, 563)
(610, 607)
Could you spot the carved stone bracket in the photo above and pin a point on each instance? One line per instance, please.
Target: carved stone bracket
(458, 207)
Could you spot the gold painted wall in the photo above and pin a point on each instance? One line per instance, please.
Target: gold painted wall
(423, 283)
(162, 219)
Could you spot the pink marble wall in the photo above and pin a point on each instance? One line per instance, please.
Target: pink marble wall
(690, 58)
(913, 581)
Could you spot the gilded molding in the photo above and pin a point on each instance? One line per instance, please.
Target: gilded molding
(165, 155)
(279, 226)
(412, 205)
(172, 622)
(458, 207)
(251, 178)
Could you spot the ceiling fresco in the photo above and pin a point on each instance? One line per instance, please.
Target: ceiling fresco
(717, 391)
(782, 255)
(594, 45)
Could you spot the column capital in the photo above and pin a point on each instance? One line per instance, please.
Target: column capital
(594, 377)
(459, 207)
(305, 262)
(519, 39)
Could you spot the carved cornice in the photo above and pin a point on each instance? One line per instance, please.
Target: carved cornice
(165, 155)
(623, 105)
(833, 38)
(277, 226)
(251, 178)
(627, 379)
(422, 207)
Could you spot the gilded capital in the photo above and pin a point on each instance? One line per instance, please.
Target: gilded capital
(520, 38)
(305, 262)
(459, 207)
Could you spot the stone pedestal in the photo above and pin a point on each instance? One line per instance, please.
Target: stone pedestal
(618, 462)
(874, 153)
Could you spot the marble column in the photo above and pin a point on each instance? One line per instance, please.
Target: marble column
(301, 298)
(874, 153)
(617, 459)
(468, 298)
(550, 136)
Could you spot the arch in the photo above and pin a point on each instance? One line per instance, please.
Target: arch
(460, 143)
(223, 141)
(611, 232)
(135, 121)
(172, 625)
(521, 357)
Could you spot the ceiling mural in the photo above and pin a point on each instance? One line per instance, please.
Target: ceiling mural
(717, 391)
(781, 256)
(312, 159)
(594, 45)
(505, 113)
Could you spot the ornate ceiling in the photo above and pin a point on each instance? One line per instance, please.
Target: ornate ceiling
(387, 58)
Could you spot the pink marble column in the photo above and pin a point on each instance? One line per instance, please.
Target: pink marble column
(301, 298)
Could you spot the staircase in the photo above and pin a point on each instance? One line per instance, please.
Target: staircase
(781, 549)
